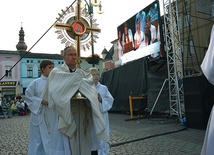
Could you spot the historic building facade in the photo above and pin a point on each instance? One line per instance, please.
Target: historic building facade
(9, 74)
(19, 68)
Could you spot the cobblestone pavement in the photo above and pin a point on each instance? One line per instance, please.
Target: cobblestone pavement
(154, 136)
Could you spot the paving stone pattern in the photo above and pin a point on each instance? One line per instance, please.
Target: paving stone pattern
(147, 136)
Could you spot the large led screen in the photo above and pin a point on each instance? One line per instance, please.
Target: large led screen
(139, 36)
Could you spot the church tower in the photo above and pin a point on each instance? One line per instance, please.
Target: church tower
(21, 46)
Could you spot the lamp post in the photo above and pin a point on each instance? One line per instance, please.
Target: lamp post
(90, 5)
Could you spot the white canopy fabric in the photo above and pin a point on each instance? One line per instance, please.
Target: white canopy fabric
(207, 65)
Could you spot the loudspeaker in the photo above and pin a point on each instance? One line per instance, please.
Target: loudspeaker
(198, 100)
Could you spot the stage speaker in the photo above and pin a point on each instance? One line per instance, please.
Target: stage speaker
(198, 100)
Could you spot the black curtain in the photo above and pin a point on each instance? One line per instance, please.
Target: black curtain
(131, 78)
(155, 83)
(137, 78)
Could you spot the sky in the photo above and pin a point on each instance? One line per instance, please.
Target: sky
(37, 16)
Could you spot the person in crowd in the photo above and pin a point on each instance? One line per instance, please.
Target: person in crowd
(8, 100)
(8, 108)
(4, 101)
(5, 108)
(17, 102)
(152, 28)
(21, 107)
(77, 117)
(153, 31)
(23, 96)
(106, 101)
(14, 109)
(128, 42)
(142, 16)
(126, 37)
(18, 96)
(41, 117)
(147, 40)
(120, 44)
(139, 35)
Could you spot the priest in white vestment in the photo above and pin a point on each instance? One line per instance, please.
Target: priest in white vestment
(79, 119)
(207, 67)
(41, 117)
(106, 101)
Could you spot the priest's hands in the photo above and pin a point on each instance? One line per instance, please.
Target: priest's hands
(99, 98)
(44, 102)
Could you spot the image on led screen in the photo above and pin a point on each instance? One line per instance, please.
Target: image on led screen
(139, 36)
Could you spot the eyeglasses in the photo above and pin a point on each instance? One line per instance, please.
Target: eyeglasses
(71, 55)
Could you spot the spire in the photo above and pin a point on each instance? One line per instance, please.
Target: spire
(21, 46)
(104, 52)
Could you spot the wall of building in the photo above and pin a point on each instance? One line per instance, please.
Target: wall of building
(195, 26)
(9, 85)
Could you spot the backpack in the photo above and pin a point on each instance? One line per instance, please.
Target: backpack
(23, 113)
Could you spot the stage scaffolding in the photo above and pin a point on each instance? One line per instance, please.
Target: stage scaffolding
(174, 58)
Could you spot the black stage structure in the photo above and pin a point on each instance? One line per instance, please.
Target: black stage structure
(144, 77)
(199, 99)
(141, 77)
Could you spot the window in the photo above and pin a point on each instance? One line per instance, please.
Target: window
(190, 48)
(39, 72)
(8, 58)
(187, 19)
(8, 71)
(29, 71)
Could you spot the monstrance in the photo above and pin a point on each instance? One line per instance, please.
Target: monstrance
(76, 27)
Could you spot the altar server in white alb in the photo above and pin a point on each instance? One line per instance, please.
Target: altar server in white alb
(43, 118)
(207, 67)
(39, 135)
(106, 101)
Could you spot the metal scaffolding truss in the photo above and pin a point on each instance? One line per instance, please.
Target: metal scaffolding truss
(174, 57)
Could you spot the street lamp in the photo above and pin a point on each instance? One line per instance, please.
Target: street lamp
(94, 3)
(89, 9)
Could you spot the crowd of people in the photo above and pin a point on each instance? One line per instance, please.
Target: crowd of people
(13, 106)
(60, 122)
